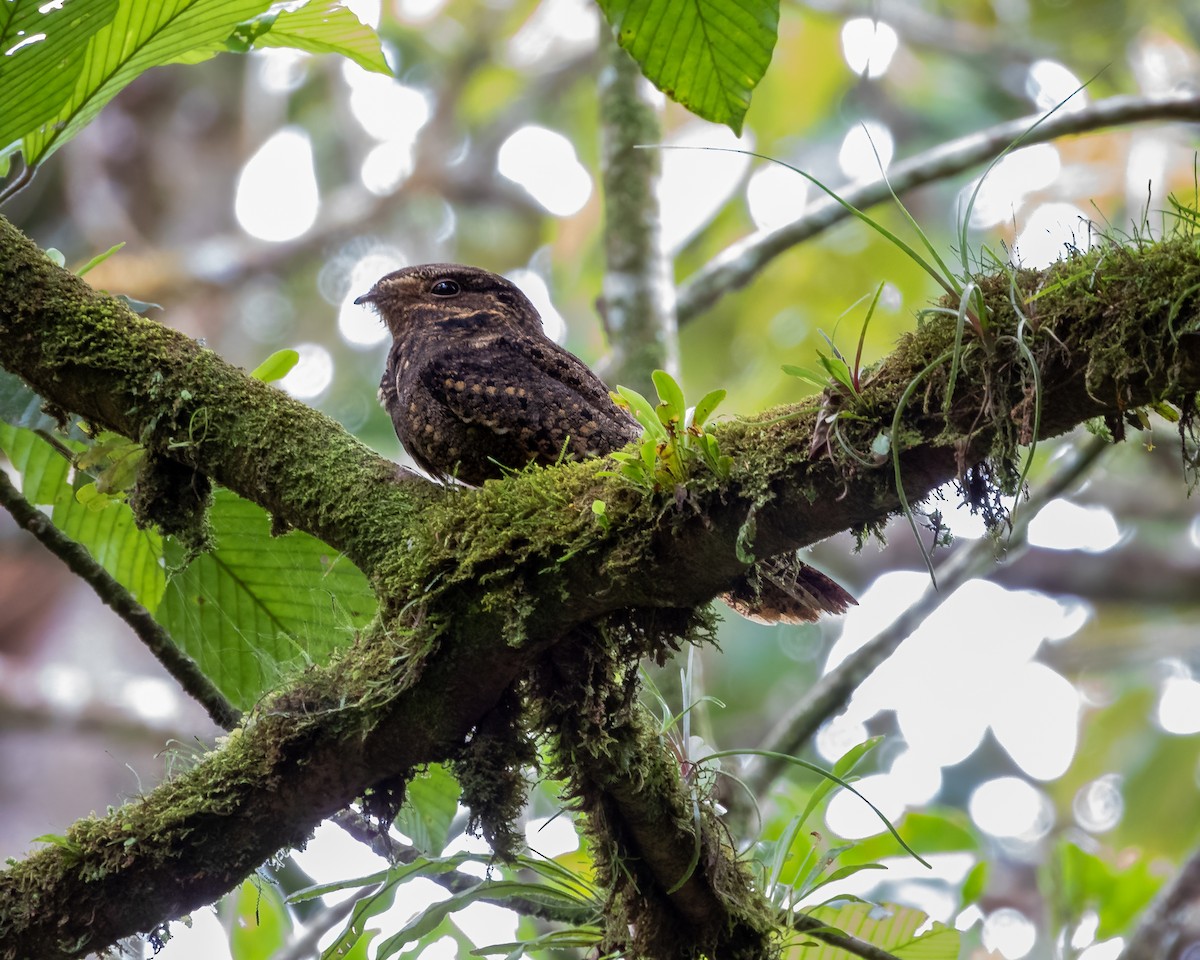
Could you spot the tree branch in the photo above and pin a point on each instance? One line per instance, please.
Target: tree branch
(740, 262)
(80, 562)
(638, 301)
(833, 691)
(476, 586)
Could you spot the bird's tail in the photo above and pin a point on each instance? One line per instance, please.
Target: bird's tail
(787, 590)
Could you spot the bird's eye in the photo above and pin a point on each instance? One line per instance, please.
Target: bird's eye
(446, 288)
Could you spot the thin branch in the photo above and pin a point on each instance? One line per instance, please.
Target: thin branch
(833, 691)
(740, 262)
(77, 558)
(638, 301)
(17, 184)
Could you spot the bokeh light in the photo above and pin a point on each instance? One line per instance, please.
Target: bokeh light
(545, 164)
(868, 46)
(1049, 231)
(1049, 83)
(312, 374)
(1179, 706)
(776, 196)
(699, 175)
(1098, 806)
(277, 195)
(866, 151)
(1063, 525)
(1009, 933)
(535, 288)
(1009, 807)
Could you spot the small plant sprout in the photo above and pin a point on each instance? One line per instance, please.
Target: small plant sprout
(848, 378)
(673, 442)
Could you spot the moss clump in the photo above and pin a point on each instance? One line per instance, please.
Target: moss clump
(176, 499)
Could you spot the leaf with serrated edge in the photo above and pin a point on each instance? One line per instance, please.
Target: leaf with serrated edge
(707, 55)
(139, 36)
(38, 76)
(327, 26)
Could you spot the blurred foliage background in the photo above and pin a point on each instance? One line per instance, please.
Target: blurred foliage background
(258, 195)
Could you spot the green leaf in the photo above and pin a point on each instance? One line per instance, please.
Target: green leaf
(704, 409)
(671, 404)
(804, 373)
(936, 831)
(99, 259)
(1118, 895)
(707, 55)
(323, 26)
(974, 884)
(43, 469)
(887, 926)
(277, 366)
(258, 922)
(642, 410)
(428, 919)
(845, 765)
(258, 604)
(837, 368)
(36, 78)
(135, 38)
(132, 556)
(430, 803)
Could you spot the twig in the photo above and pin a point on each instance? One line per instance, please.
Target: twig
(740, 262)
(637, 304)
(17, 184)
(80, 562)
(833, 691)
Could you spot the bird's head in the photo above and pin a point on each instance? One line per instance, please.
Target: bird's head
(449, 296)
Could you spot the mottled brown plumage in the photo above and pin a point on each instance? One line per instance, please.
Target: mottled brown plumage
(474, 386)
(472, 382)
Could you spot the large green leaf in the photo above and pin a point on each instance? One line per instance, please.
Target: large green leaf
(430, 803)
(133, 557)
(707, 55)
(887, 926)
(257, 605)
(139, 36)
(323, 26)
(43, 470)
(41, 55)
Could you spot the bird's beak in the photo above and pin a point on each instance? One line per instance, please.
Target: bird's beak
(368, 297)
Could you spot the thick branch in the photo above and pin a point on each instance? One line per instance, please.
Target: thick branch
(1171, 926)
(474, 586)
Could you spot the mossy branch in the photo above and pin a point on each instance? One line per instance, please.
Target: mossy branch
(476, 587)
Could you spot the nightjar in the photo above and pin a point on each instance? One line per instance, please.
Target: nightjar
(473, 386)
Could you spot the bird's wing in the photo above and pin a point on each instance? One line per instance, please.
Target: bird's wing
(545, 398)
